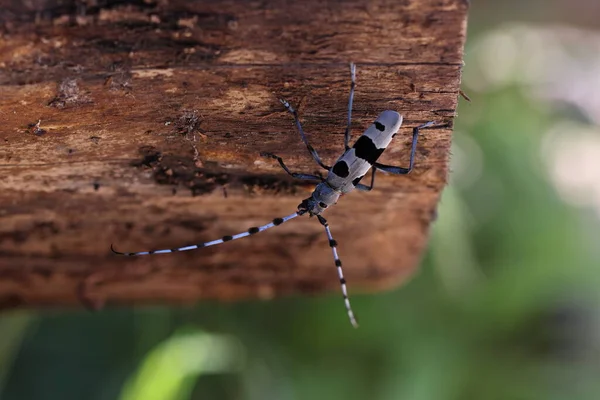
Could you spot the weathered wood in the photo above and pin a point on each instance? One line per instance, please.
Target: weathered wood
(141, 125)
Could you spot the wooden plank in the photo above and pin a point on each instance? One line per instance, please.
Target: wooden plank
(151, 121)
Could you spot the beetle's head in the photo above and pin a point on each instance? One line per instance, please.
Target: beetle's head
(322, 197)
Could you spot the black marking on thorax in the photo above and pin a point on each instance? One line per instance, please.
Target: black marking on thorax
(365, 149)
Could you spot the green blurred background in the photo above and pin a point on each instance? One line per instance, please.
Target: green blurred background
(505, 306)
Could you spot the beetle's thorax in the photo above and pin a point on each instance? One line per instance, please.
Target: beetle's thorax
(322, 197)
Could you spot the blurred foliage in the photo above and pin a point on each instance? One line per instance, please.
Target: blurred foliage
(505, 306)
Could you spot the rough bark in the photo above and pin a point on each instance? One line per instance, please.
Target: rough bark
(141, 123)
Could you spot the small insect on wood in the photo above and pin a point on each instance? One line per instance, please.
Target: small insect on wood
(343, 177)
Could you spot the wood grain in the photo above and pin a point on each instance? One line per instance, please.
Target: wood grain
(141, 125)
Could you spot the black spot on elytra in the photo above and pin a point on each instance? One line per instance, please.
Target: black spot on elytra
(365, 148)
(341, 169)
(379, 126)
(322, 205)
(355, 181)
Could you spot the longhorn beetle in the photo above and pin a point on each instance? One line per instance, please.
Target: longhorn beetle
(343, 177)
